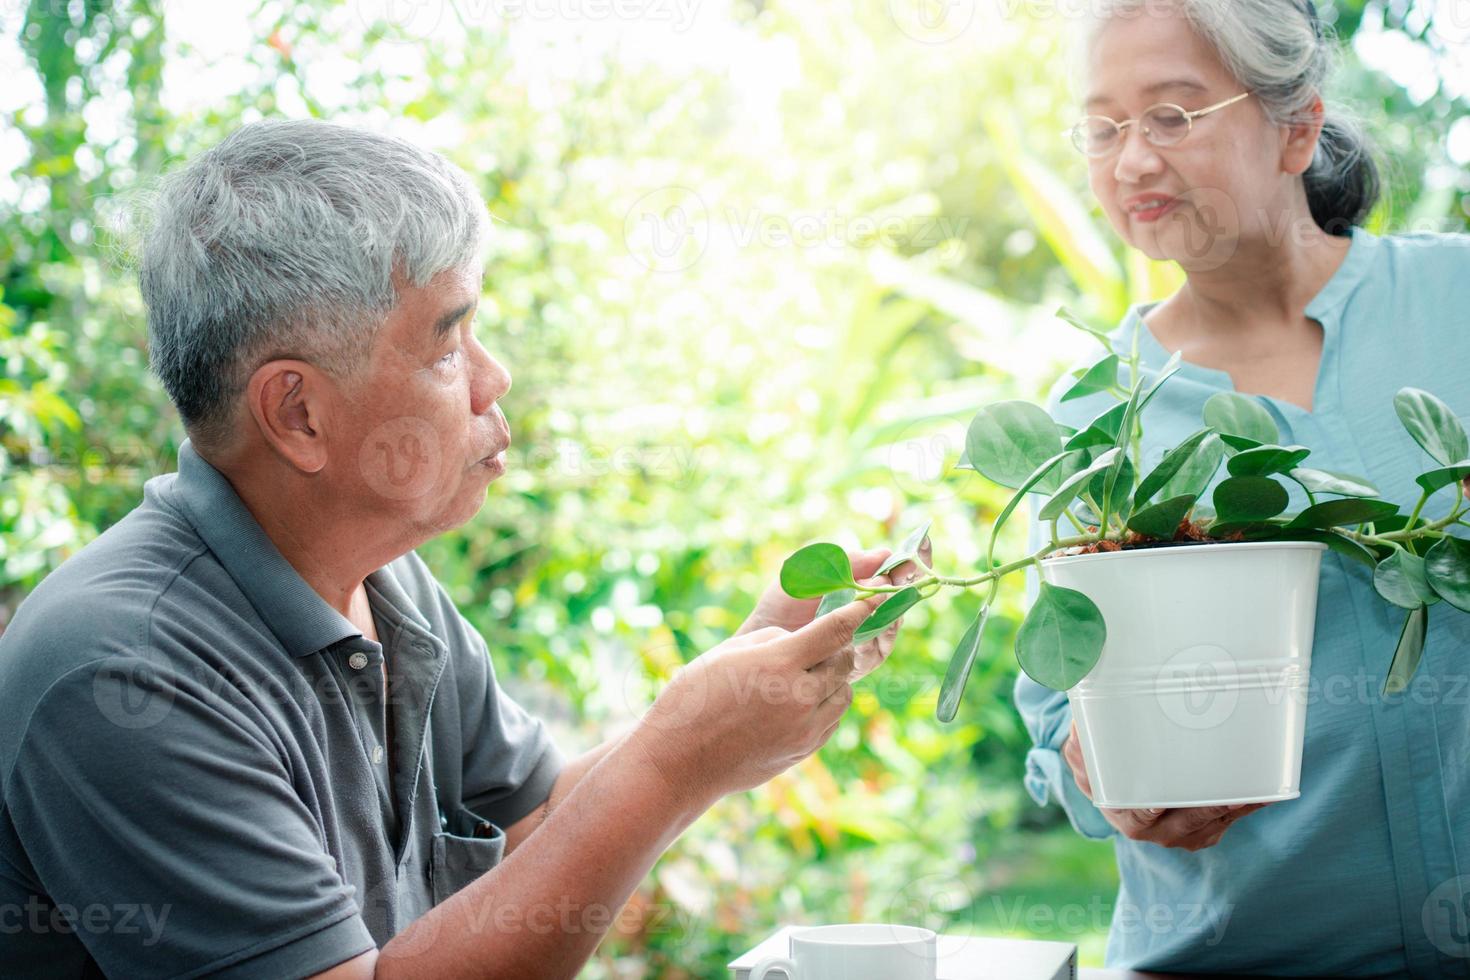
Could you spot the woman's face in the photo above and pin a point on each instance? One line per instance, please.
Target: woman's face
(1223, 183)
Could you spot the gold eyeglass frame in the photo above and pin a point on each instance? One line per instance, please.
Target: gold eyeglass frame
(1189, 118)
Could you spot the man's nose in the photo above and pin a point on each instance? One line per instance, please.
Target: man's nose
(1137, 157)
(492, 381)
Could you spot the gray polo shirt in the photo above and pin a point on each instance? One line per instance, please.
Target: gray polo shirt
(196, 768)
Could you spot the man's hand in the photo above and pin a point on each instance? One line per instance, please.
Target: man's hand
(1192, 828)
(776, 608)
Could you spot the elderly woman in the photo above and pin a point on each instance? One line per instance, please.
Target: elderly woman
(1208, 144)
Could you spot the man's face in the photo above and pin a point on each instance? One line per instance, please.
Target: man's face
(421, 435)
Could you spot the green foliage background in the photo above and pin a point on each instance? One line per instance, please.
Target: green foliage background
(884, 218)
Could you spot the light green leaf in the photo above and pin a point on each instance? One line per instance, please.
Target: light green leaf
(1433, 425)
(1233, 414)
(1101, 377)
(816, 570)
(1322, 481)
(1101, 431)
(958, 673)
(1400, 578)
(907, 551)
(835, 600)
(1171, 464)
(1057, 503)
(1447, 566)
(1061, 637)
(1197, 472)
(1008, 440)
(1409, 652)
(1443, 477)
(885, 615)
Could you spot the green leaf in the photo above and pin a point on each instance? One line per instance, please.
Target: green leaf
(1409, 652)
(1350, 510)
(958, 673)
(1037, 477)
(1322, 481)
(1170, 368)
(1239, 444)
(1249, 498)
(1162, 519)
(1336, 542)
(1101, 431)
(1443, 477)
(1400, 579)
(1057, 503)
(1232, 414)
(1447, 566)
(1432, 425)
(1197, 472)
(907, 551)
(1121, 472)
(1008, 440)
(1061, 637)
(816, 570)
(1171, 464)
(885, 615)
(1076, 321)
(1101, 377)
(1267, 460)
(835, 600)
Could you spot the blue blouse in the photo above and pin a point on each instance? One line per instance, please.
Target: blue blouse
(1368, 872)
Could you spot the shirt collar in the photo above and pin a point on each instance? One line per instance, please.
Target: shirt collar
(301, 620)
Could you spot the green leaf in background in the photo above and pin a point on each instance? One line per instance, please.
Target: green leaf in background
(1233, 414)
(1432, 425)
(958, 673)
(907, 551)
(1447, 566)
(833, 601)
(1171, 464)
(1073, 320)
(1101, 377)
(1101, 431)
(1170, 368)
(1061, 637)
(1242, 499)
(1057, 503)
(1409, 652)
(887, 614)
(1162, 519)
(1322, 481)
(816, 570)
(1267, 460)
(1443, 477)
(1400, 579)
(1008, 440)
(1350, 510)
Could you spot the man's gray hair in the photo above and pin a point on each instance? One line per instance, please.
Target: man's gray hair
(284, 240)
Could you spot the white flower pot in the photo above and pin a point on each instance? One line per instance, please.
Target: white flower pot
(1199, 696)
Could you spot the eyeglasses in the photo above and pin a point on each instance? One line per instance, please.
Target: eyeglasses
(1165, 124)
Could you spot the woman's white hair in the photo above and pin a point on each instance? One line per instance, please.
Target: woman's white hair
(1281, 51)
(285, 240)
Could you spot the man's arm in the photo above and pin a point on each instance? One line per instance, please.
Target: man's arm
(735, 717)
(571, 774)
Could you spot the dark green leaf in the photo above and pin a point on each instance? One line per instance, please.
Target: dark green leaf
(1008, 440)
(907, 551)
(1337, 513)
(1057, 503)
(1197, 472)
(1171, 464)
(1336, 542)
(835, 600)
(1400, 579)
(1447, 566)
(816, 570)
(1239, 444)
(1232, 414)
(1267, 460)
(1162, 519)
(885, 615)
(1432, 425)
(1061, 637)
(1101, 377)
(1122, 472)
(1249, 498)
(1409, 652)
(1440, 478)
(959, 669)
(1322, 481)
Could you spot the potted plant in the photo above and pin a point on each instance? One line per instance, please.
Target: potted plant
(1178, 705)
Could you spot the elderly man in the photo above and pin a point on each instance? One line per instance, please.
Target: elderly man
(245, 731)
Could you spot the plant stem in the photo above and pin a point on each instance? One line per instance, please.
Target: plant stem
(1423, 497)
(1427, 531)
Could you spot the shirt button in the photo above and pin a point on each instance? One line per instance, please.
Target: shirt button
(377, 754)
(357, 661)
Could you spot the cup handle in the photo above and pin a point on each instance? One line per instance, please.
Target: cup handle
(759, 971)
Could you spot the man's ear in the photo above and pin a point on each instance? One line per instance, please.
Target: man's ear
(289, 400)
(1301, 138)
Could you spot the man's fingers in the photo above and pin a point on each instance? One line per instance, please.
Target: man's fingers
(825, 635)
(865, 563)
(834, 671)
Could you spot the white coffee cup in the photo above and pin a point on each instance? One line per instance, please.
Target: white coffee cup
(870, 951)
